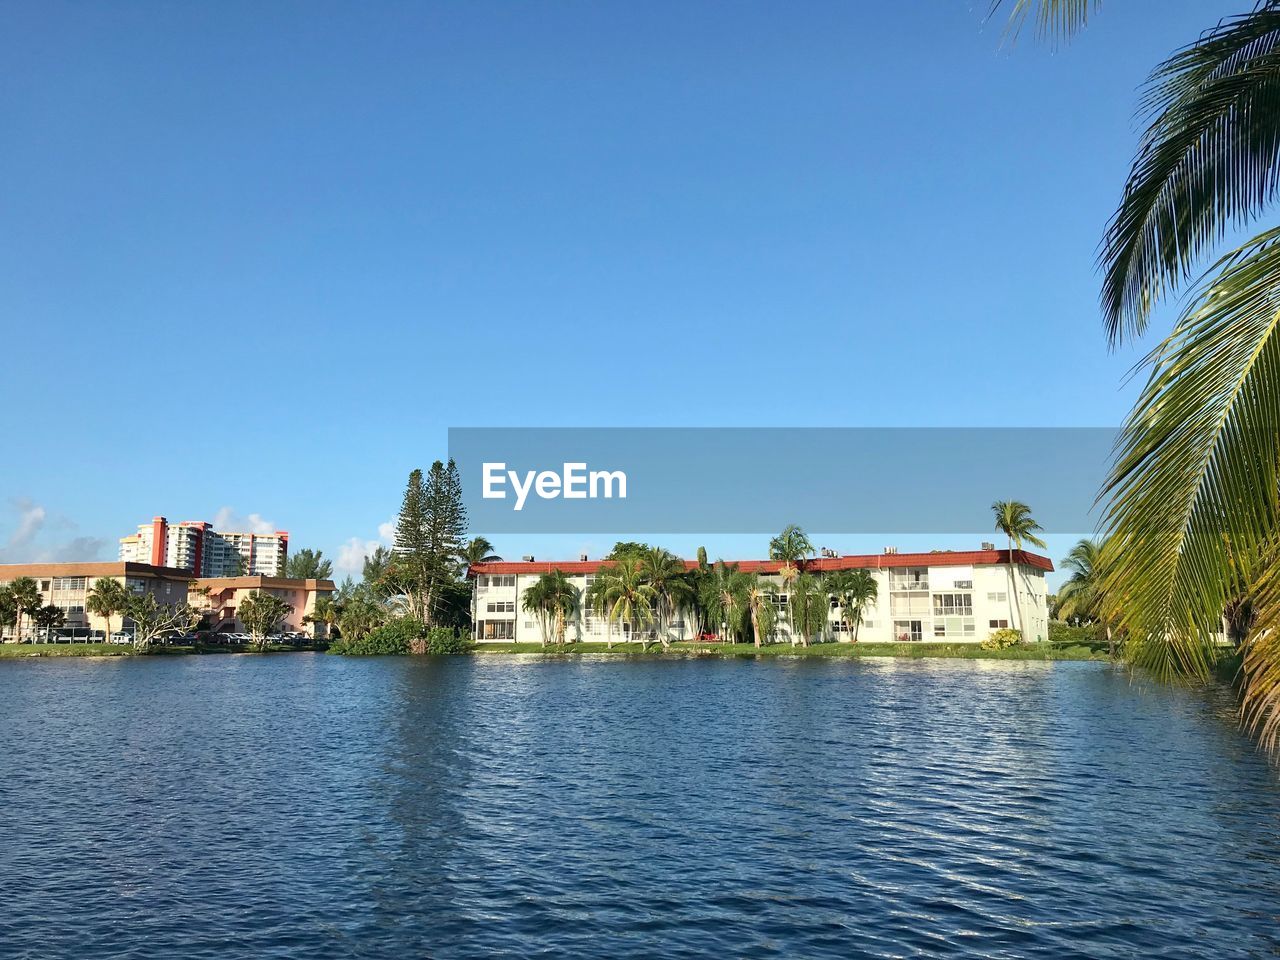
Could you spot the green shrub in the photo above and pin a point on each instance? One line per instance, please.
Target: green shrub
(1000, 639)
(394, 637)
(446, 640)
(1065, 634)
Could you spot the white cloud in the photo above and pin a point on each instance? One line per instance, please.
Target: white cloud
(351, 555)
(30, 519)
(227, 520)
(27, 545)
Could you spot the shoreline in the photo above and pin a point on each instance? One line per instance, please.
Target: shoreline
(904, 651)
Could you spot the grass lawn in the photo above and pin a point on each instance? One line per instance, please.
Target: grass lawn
(15, 650)
(962, 651)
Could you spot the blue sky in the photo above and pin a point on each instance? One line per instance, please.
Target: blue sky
(258, 258)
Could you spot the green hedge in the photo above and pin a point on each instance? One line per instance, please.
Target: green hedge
(1066, 635)
(446, 640)
(402, 636)
(393, 637)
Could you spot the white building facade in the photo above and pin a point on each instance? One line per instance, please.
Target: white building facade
(941, 596)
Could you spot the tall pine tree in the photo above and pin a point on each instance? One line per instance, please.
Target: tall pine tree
(430, 534)
(409, 571)
(445, 531)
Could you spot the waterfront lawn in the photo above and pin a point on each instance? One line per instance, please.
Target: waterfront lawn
(13, 651)
(16, 650)
(965, 651)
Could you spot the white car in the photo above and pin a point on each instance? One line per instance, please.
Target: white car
(121, 637)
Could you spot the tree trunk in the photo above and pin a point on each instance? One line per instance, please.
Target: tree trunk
(1015, 604)
(755, 626)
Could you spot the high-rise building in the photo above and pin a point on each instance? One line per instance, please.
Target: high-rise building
(194, 545)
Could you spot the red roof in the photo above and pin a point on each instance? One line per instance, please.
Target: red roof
(871, 561)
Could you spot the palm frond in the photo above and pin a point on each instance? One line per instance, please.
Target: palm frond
(1054, 19)
(1207, 161)
(1260, 702)
(1196, 471)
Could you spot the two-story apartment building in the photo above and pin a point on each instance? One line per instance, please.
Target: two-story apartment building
(67, 586)
(942, 595)
(221, 597)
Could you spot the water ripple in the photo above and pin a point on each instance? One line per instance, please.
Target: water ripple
(311, 806)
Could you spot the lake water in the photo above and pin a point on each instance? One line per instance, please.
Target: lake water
(312, 806)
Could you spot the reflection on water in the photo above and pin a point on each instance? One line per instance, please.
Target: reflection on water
(316, 806)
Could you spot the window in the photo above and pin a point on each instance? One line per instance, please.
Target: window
(998, 624)
(68, 583)
(502, 606)
(498, 629)
(964, 584)
(997, 598)
(953, 604)
(908, 630)
(954, 627)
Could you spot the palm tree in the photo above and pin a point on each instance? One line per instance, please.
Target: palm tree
(326, 611)
(853, 590)
(724, 598)
(107, 598)
(1080, 597)
(477, 550)
(758, 599)
(8, 609)
(628, 598)
(360, 612)
(1198, 462)
(554, 599)
(596, 600)
(1083, 596)
(792, 547)
(808, 608)
(26, 598)
(665, 574)
(1014, 520)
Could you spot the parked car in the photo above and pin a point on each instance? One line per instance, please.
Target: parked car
(121, 637)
